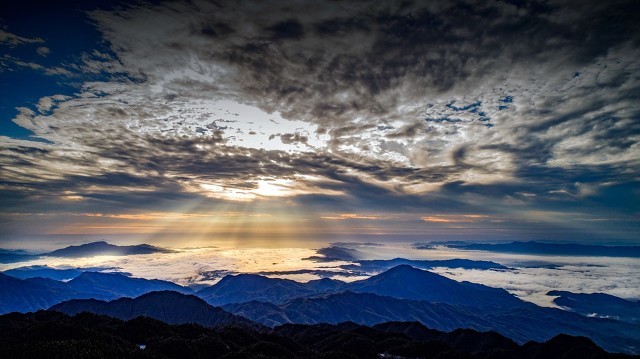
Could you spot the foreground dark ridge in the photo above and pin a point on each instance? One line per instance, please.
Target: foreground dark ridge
(47, 334)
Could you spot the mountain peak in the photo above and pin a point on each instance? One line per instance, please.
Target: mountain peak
(405, 268)
(406, 272)
(405, 281)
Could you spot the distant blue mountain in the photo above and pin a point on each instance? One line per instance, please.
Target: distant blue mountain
(44, 271)
(168, 306)
(336, 253)
(599, 305)
(325, 285)
(13, 256)
(113, 285)
(24, 295)
(402, 281)
(384, 264)
(407, 282)
(533, 247)
(84, 250)
(20, 295)
(245, 287)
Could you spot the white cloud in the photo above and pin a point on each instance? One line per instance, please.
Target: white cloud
(7, 38)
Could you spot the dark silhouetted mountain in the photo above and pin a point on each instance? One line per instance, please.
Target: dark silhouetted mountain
(599, 305)
(245, 287)
(49, 334)
(414, 330)
(384, 264)
(472, 341)
(565, 346)
(113, 285)
(408, 282)
(533, 247)
(467, 340)
(519, 324)
(168, 306)
(335, 253)
(103, 248)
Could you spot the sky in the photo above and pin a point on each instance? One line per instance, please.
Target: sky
(295, 123)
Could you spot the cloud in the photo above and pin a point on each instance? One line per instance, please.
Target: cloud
(440, 106)
(345, 216)
(7, 38)
(529, 277)
(461, 218)
(43, 51)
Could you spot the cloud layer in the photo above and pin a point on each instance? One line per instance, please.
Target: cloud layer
(500, 114)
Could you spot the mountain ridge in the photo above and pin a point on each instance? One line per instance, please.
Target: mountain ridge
(49, 333)
(168, 306)
(90, 249)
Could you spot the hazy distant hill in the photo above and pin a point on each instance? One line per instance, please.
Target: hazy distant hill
(167, 306)
(84, 250)
(245, 287)
(103, 248)
(53, 334)
(113, 285)
(384, 264)
(402, 281)
(598, 305)
(533, 247)
(13, 256)
(19, 295)
(44, 271)
(40, 293)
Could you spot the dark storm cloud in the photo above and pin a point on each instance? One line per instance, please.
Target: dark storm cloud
(439, 49)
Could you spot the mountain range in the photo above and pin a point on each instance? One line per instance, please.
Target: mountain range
(23, 295)
(521, 325)
(599, 305)
(100, 248)
(47, 334)
(402, 293)
(534, 247)
(168, 306)
(402, 281)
